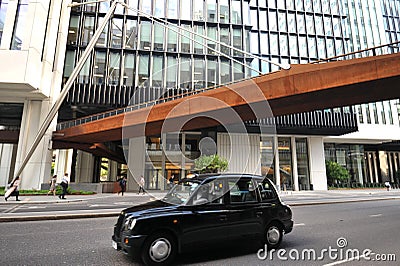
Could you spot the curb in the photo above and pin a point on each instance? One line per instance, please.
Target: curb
(337, 202)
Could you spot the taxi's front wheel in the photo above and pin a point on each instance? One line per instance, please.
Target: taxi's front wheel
(159, 249)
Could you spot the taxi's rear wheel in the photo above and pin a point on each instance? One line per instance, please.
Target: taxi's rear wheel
(273, 235)
(159, 249)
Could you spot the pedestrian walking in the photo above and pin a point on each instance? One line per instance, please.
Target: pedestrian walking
(387, 185)
(122, 184)
(64, 185)
(52, 184)
(13, 190)
(141, 185)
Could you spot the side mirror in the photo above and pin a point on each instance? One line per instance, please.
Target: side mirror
(201, 201)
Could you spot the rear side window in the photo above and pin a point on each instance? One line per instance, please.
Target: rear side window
(242, 190)
(267, 190)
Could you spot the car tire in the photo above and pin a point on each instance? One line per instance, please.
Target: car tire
(273, 235)
(159, 249)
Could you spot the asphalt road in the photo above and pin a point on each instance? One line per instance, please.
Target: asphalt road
(364, 225)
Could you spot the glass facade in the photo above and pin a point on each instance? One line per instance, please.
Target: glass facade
(3, 12)
(19, 25)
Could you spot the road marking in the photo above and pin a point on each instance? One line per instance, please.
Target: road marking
(345, 261)
(36, 207)
(376, 215)
(299, 224)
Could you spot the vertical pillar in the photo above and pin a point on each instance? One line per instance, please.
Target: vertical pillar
(62, 163)
(136, 162)
(374, 158)
(183, 161)
(277, 172)
(359, 164)
(371, 173)
(390, 156)
(7, 152)
(317, 164)
(38, 169)
(112, 170)
(84, 169)
(295, 171)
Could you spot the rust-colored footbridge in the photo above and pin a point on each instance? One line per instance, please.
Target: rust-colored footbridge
(303, 88)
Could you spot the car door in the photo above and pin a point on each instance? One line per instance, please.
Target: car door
(269, 205)
(205, 222)
(243, 220)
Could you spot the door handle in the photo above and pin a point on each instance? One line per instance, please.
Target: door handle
(223, 218)
(259, 214)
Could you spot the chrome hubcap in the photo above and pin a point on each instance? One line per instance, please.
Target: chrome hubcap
(273, 235)
(160, 249)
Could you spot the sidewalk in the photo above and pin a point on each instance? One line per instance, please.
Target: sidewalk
(293, 198)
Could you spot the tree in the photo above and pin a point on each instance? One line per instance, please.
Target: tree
(336, 173)
(210, 164)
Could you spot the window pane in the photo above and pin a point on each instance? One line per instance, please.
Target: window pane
(283, 44)
(321, 48)
(72, 31)
(131, 34)
(264, 40)
(186, 10)
(317, 5)
(312, 47)
(212, 34)
(19, 25)
(223, 11)
(103, 39)
(129, 70)
(134, 4)
(198, 10)
(225, 71)
(185, 39)
(158, 66)
(198, 48)
(292, 23)
(282, 21)
(254, 19)
(114, 68)
(172, 39)
(99, 67)
(212, 73)
(116, 33)
(145, 35)
(274, 44)
(318, 25)
(88, 27)
(199, 74)
(3, 12)
(328, 26)
(236, 12)
(69, 64)
(303, 46)
(211, 11)
(185, 73)
(301, 23)
(159, 8)
(173, 9)
(238, 72)
(293, 46)
(272, 21)
(310, 24)
(224, 38)
(263, 20)
(84, 77)
(158, 37)
(237, 41)
(146, 7)
(143, 71)
(171, 72)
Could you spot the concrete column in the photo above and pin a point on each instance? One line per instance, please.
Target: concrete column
(277, 172)
(136, 162)
(383, 164)
(112, 170)
(62, 163)
(317, 163)
(6, 161)
(374, 159)
(38, 169)
(371, 173)
(295, 172)
(241, 150)
(360, 169)
(390, 164)
(84, 167)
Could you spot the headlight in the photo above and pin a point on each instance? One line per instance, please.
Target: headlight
(130, 223)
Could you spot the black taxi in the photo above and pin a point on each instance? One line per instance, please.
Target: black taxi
(201, 210)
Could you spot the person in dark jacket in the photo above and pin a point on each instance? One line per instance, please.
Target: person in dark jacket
(64, 185)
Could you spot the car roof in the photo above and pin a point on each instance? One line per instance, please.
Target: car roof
(202, 177)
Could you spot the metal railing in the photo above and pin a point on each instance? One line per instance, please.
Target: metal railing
(378, 50)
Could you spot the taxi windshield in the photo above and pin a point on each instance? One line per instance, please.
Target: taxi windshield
(181, 192)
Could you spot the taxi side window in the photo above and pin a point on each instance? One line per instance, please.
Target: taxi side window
(266, 190)
(242, 191)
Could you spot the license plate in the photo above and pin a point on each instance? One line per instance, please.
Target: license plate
(114, 245)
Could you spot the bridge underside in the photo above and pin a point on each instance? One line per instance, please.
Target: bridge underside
(303, 88)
